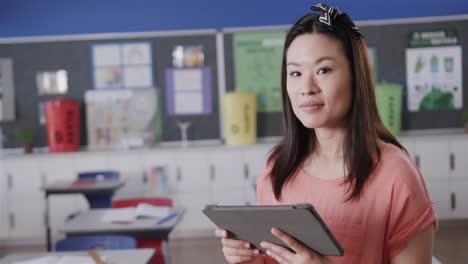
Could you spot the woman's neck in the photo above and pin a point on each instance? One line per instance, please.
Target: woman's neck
(329, 143)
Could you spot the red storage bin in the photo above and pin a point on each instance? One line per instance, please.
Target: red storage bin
(62, 125)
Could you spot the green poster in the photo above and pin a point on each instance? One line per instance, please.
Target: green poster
(257, 67)
(388, 97)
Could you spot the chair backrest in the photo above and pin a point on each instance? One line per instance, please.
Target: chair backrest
(104, 175)
(96, 241)
(157, 201)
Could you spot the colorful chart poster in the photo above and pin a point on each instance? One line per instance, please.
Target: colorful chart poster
(188, 91)
(122, 65)
(434, 71)
(257, 67)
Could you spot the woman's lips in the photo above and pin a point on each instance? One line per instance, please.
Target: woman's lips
(311, 106)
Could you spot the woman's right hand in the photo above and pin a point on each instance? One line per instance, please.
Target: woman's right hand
(235, 251)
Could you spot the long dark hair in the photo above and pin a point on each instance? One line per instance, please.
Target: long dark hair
(364, 126)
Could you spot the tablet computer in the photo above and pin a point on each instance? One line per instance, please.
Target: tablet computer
(254, 223)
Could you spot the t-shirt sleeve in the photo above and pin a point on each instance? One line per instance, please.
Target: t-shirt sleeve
(411, 209)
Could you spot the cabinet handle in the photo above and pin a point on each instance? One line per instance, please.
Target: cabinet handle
(43, 178)
(178, 174)
(145, 177)
(453, 201)
(212, 173)
(416, 159)
(452, 161)
(10, 181)
(246, 171)
(12, 221)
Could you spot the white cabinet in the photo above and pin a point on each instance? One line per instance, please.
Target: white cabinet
(459, 199)
(159, 169)
(3, 203)
(130, 167)
(458, 155)
(24, 207)
(26, 218)
(194, 221)
(432, 157)
(23, 177)
(227, 176)
(440, 196)
(255, 160)
(193, 172)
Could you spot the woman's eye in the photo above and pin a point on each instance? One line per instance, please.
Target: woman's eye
(324, 70)
(295, 74)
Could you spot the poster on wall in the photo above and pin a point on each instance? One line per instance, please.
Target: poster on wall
(257, 67)
(122, 65)
(188, 91)
(434, 71)
(122, 118)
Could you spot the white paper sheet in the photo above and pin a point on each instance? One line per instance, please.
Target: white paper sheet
(59, 260)
(137, 76)
(105, 55)
(137, 53)
(188, 103)
(188, 80)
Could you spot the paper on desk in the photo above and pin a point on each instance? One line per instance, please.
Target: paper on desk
(41, 260)
(124, 215)
(130, 214)
(148, 210)
(59, 260)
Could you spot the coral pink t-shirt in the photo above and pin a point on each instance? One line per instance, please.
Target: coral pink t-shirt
(393, 207)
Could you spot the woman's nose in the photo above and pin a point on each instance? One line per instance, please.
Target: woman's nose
(310, 87)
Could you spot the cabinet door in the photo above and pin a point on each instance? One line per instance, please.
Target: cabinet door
(256, 160)
(26, 218)
(3, 203)
(440, 196)
(157, 165)
(432, 157)
(192, 170)
(23, 177)
(459, 199)
(229, 196)
(459, 159)
(194, 221)
(226, 168)
(130, 167)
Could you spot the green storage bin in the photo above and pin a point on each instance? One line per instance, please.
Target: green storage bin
(388, 97)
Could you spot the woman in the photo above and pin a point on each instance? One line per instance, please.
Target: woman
(337, 155)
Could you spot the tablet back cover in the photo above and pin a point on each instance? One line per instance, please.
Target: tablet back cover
(253, 224)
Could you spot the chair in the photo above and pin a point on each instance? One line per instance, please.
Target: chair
(101, 200)
(155, 243)
(95, 241)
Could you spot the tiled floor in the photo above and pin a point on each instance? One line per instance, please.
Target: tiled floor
(450, 247)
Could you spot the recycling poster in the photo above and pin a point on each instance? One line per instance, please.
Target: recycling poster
(434, 71)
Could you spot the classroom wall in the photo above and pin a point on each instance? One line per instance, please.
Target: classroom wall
(54, 17)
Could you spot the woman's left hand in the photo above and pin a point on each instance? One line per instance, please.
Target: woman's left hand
(301, 254)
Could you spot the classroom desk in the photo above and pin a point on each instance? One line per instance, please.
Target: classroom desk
(69, 187)
(89, 223)
(121, 256)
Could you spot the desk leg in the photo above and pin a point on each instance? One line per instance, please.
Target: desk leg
(47, 223)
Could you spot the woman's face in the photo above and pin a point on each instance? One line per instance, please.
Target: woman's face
(319, 82)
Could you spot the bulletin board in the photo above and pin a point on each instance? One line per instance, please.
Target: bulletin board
(389, 42)
(74, 54)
